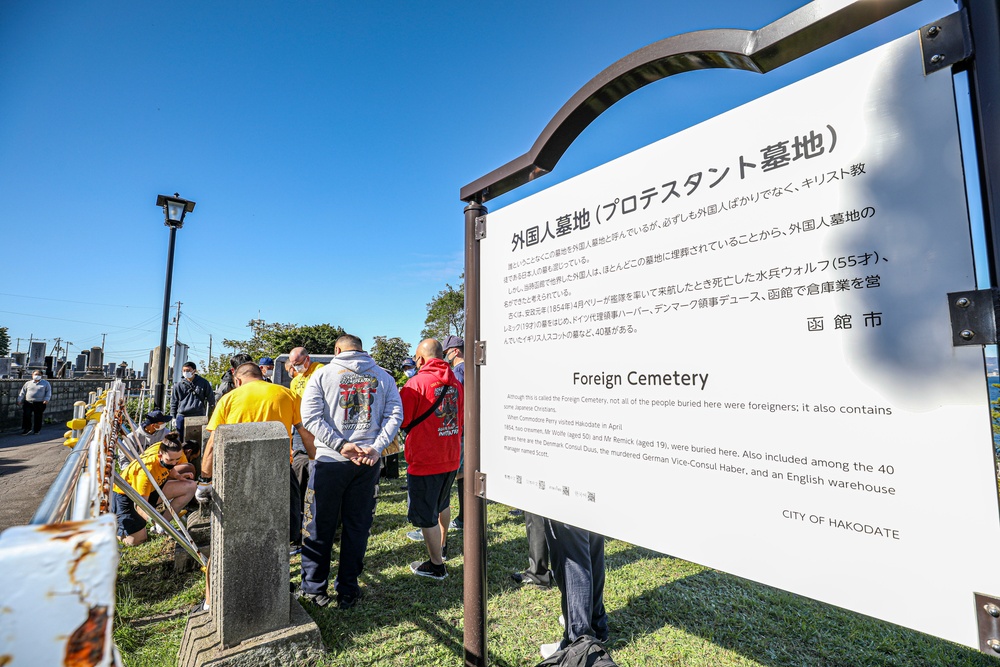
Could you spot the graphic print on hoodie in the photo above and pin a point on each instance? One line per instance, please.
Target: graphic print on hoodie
(357, 392)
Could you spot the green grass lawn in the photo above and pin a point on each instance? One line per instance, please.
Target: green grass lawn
(663, 611)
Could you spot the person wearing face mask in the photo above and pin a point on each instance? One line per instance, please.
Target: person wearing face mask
(168, 466)
(33, 398)
(149, 431)
(454, 355)
(191, 397)
(266, 368)
(409, 367)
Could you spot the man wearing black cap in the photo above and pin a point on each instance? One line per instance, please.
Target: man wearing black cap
(191, 397)
(148, 432)
(266, 368)
(454, 354)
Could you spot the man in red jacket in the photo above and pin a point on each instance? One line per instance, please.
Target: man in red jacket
(433, 404)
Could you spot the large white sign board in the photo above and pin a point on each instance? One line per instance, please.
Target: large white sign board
(733, 346)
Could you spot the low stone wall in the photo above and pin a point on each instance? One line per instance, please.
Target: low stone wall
(64, 394)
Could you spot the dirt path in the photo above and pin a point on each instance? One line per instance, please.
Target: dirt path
(28, 465)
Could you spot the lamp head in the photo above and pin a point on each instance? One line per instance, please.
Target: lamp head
(174, 209)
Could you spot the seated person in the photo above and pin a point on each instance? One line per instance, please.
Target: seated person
(192, 452)
(168, 466)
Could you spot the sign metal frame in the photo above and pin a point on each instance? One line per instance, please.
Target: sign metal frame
(967, 40)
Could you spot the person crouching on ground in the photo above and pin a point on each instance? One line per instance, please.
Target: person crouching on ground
(169, 467)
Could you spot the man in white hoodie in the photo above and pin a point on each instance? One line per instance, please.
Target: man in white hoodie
(353, 408)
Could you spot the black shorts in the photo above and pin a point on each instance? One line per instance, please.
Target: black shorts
(130, 521)
(428, 496)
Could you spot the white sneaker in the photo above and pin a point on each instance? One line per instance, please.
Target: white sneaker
(548, 650)
(416, 535)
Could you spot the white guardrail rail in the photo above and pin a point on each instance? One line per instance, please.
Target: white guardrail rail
(58, 573)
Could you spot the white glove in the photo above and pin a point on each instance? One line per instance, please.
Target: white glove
(204, 492)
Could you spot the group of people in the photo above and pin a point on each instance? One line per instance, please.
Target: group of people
(341, 418)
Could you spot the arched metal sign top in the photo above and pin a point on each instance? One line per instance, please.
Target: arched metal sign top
(806, 29)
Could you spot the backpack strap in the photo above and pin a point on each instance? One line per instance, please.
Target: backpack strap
(412, 424)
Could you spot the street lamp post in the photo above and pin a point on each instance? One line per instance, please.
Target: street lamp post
(174, 210)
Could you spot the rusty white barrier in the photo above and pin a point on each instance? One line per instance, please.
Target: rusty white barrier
(57, 574)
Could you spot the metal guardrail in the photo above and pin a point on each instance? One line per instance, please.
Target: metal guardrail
(56, 503)
(73, 535)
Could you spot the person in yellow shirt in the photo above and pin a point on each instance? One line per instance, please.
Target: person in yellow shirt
(169, 467)
(253, 400)
(301, 367)
(304, 367)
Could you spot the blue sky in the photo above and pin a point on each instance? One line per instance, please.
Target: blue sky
(324, 143)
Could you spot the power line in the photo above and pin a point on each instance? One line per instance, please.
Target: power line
(65, 319)
(86, 303)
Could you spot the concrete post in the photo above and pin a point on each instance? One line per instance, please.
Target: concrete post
(193, 429)
(249, 570)
(250, 604)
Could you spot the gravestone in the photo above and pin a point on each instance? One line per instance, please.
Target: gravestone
(252, 619)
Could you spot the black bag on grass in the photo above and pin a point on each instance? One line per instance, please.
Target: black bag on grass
(584, 652)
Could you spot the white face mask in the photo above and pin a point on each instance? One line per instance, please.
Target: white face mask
(268, 374)
(188, 374)
(410, 372)
(299, 368)
(36, 378)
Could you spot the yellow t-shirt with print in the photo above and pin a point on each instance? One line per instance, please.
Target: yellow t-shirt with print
(257, 401)
(136, 476)
(299, 382)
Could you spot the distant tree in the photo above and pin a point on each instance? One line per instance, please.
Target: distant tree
(4, 342)
(446, 313)
(316, 338)
(270, 340)
(258, 345)
(215, 368)
(389, 354)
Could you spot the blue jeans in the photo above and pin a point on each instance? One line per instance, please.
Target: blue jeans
(338, 490)
(577, 559)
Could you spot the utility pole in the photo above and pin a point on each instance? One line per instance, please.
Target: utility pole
(209, 353)
(177, 326)
(18, 349)
(103, 337)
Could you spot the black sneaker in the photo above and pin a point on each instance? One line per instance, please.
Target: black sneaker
(348, 601)
(429, 569)
(318, 599)
(525, 579)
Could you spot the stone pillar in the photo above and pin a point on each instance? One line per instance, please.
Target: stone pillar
(249, 571)
(193, 429)
(250, 604)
